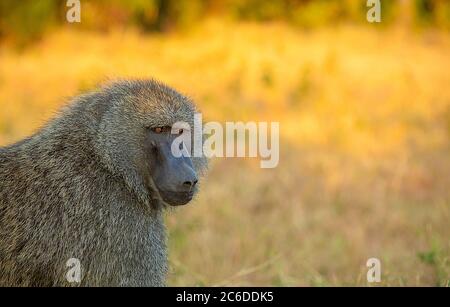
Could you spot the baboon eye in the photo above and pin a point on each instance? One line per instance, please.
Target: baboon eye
(162, 129)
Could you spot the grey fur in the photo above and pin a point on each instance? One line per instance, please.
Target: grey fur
(75, 190)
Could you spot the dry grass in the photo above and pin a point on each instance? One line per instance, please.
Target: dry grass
(365, 124)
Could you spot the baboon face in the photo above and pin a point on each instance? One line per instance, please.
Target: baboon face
(135, 137)
(174, 177)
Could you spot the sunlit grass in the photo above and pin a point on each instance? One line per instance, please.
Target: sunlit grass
(365, 124)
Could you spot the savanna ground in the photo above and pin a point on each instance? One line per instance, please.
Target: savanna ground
(365, 144)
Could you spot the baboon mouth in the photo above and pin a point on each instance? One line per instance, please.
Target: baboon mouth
(176, 198)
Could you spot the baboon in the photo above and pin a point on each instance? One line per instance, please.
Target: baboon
(93, 185)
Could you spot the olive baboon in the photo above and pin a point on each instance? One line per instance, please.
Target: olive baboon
(92, 185)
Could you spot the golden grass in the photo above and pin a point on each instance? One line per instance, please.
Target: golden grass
(365, 124)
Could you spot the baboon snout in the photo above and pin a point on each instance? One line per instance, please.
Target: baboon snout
(174, 176)
(176, 181)
(179, 188)
(177, 174)
(188, 180)
(190, 183)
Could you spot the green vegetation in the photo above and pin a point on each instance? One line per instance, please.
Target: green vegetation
(27, 20)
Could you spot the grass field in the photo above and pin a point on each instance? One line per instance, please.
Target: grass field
(365, 152)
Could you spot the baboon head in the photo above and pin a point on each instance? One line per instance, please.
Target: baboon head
(136, 136)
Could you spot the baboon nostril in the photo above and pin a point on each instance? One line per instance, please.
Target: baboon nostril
(190, 184)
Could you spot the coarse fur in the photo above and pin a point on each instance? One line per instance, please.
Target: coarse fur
(77, 189)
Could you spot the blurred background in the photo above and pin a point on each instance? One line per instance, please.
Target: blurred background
(364, 112)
